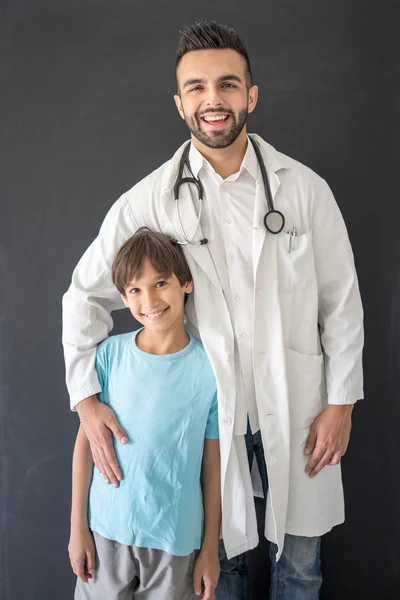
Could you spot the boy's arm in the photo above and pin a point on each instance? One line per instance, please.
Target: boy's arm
(206, 571)
(81, 545)
(82, 471)
(211, 484)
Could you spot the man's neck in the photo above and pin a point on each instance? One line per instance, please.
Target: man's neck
(224, 161)
(165, 342)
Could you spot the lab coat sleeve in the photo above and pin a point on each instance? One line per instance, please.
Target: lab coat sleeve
(88, 303)
(340, 313)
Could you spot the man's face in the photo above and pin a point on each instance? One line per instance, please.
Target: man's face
(214, 98)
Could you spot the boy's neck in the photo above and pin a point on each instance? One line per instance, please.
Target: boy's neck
(165, 342)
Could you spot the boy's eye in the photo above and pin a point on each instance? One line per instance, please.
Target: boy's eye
(134, 290)
(160, 284)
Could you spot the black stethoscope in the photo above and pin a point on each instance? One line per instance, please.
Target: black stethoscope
(274, 220)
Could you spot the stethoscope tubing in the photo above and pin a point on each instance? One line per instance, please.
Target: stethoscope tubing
(274, 220)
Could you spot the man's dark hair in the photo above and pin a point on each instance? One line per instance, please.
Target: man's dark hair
(209, 35)
(165, 256)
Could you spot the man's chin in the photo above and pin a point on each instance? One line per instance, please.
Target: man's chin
(216, 140)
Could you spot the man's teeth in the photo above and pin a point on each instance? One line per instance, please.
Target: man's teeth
(155, 315)
(217, 118)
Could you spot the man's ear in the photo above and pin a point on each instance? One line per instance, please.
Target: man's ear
(252, 98)
(178, 104)
(124, 300)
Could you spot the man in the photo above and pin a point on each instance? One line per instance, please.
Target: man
(279, 315)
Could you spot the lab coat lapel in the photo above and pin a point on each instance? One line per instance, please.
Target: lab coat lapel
(200, 253)
(260, 210)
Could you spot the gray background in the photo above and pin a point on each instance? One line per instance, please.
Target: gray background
(86, 111)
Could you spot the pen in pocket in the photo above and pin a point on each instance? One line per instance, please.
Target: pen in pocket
(292, 239)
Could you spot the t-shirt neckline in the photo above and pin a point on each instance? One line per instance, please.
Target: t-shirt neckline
(149, 355)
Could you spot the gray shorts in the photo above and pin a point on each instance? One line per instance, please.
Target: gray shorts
(130, 573)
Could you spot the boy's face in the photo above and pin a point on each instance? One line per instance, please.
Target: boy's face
(156, 301)
(214, 97)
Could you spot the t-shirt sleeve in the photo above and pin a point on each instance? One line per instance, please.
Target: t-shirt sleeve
(101, 367)
(212, 431)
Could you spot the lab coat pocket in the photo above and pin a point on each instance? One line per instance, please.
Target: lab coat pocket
(306, 384)
(295, 262)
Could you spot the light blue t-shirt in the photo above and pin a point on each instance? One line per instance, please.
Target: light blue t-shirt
(167, 405)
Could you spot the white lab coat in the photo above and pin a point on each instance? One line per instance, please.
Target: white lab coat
(308, 336)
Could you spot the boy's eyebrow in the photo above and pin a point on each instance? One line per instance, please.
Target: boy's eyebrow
(157, 276)
(229, 77)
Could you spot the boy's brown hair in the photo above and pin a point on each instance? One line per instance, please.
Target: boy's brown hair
(164, 254)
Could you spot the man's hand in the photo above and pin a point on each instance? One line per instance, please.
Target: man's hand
(206, 574)
(100, 423)
(328, 438)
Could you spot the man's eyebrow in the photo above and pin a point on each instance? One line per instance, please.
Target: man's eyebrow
(228, 77)
(193, 81)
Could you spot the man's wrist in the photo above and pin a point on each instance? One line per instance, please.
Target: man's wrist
(85, 404)
(345, 408)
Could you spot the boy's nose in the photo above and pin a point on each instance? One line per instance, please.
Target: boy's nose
(150, 302)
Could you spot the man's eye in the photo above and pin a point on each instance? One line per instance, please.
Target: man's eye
(195, 88)
(229, 85)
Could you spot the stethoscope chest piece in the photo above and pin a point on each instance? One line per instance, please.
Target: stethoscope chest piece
(274, 221)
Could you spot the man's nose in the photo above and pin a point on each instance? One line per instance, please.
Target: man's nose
(213, 98)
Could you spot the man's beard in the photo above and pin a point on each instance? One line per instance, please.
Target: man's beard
(218, 139)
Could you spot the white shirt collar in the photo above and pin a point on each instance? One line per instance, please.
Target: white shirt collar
(249, 162)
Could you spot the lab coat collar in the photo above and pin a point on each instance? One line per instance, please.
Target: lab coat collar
(249, 162)
(274, 162)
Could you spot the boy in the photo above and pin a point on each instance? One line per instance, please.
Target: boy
(160, 384)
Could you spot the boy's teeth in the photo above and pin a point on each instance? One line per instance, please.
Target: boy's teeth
(153, 316)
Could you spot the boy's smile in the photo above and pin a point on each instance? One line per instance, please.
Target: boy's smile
(157, 301)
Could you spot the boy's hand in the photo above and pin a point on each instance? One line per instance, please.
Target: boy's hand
(206, 574)
(100, 423)
(82, 553)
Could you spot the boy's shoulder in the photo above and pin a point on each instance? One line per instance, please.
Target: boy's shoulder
(203, 364)
(114, 343)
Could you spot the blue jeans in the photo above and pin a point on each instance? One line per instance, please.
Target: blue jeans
(297, 574)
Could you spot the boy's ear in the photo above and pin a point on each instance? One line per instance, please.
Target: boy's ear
(124, 300)
(188, 287)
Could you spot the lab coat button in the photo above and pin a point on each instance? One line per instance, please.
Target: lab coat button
(227, 220)
(242, 335)
(227, 421)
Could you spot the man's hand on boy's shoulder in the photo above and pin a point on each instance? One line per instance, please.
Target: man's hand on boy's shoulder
(100, 424)
(206, 574)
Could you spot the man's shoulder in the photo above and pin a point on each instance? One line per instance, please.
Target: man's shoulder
(159, 180)
(278, 161)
